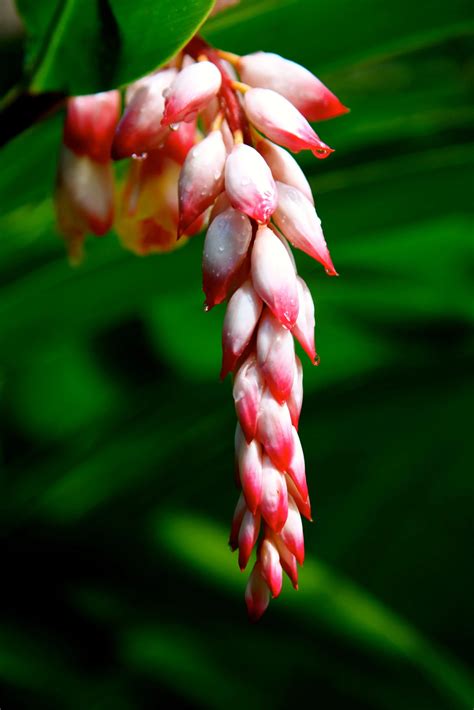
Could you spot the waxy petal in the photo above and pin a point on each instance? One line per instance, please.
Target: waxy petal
(305, 91)
(257, 594)
(303, 504)
(295, 400)
(248, 535)
(201, 178)
(85, 189)
(297, 470)
(297, 219)
(190, 91)
(180, 141)
(292, 531)
(139, 130)
(287, 560)
(274, 276)
(282, 123)
(239, 512)
(241, 318)
(304, 326)
(90, 124)
(249, 183)
(225, 252)
(269, 558)
(274, 503)
(274, 430)
(283, 166)
(276, 356)
(247, 393)
(249, 460)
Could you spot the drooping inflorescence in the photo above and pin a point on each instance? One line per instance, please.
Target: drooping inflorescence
(206, 141)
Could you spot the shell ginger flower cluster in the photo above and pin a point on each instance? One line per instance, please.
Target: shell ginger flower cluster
(207, 140)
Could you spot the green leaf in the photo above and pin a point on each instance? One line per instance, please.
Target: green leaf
(84, 46)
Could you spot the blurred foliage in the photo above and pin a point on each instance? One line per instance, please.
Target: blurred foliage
(118, 590)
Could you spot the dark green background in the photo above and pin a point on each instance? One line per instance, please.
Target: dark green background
(118, 590)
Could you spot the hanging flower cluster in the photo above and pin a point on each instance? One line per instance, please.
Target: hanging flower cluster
(206, 141)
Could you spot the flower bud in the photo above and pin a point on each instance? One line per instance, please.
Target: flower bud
(274, 430)
(225, 252)
(247, 393)
(283, 166)
(303, 504)
(274, 276)
(249, 459)
(241, 318)
(257, 594)
(190, 91)
(90, 124)
(295, 400)
(304, 326)
(249, 183)
(201, 178)
(287, 560)
(274, 503)
(296, 469)
(297, 219)
(248, 535)
(271, 567)
(282, 123)
(305, 91)
(276, 356)
(292, 532)
(239, 512)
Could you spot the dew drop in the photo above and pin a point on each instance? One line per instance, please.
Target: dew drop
(174, 126)
(317, 360)
(205, 307)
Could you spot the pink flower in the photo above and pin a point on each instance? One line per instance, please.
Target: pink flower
(190, 91)
(282, 123)
(305, 91)
(249, 184)
(90, 124)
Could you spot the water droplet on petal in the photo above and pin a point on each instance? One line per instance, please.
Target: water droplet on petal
(174, 126)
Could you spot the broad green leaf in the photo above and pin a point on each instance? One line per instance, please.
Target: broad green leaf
(84, 46)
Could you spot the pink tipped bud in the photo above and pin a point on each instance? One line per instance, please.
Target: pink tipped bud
(295, 400)
(297, 219)
(274, 276)
(90, 124)
(257, 594)
(283, 166)
(271, 567)
(274, 430)
(276, 356)
(247, 392)
(280, 121)
(139, 130)
(304, 326)
(239, 512)
(303, 504)
(84, 194)
(201, 178)
(225, 251)
(179, 142)
(191, 90)
(248, 535)
(241, 318)
(296, 470)
(249, 459)
(292, 532)
(249, 183)
(287, 560)
(274, 503)
(310, 96)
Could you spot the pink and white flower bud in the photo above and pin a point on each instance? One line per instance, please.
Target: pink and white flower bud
(239, 512)
(287, 560)
(271, 567)
(249, 459)
(139, 130)
(190, 91)
(247, 393)
(257, 594)
(248, 535)
(304, 326)
(296, 469)
(295, 400)
(221, 204)
(274, 276)
(274, 430)
(84, 194)
(201, 178)
(225, 253)
(179, 142)
(276, 356)
(90, 124)
(305, 91)
(274, 503)
(241, 318)
(283, 166)
(297, 219)
(282, 123)
(303, 504)
(292, 532)
(249, 183)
